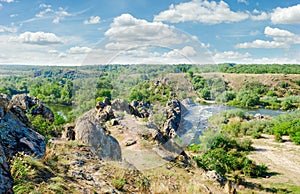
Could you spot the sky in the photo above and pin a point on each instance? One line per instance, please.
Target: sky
(65, 32)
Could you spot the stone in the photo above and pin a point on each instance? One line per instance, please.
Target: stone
(130, 142)
(114, 122)
(214, 176)
(69, 133)
(6, 180)
(106, 101)
(89, 131)
(16, 135)
(44, 111)
(120, 105)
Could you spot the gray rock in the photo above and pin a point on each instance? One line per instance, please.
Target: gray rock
(89, 131)
(214, 176)
(130, 142)
(44, 111)
(6, 180)
(16, 135)
(69, 133)
(120, 105)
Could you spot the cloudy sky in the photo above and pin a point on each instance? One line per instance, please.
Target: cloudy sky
(61, 32)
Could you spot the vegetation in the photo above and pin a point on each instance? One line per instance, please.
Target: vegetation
(238, 124)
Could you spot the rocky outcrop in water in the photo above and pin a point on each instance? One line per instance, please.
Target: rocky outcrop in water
(16, 135)
(89, 131)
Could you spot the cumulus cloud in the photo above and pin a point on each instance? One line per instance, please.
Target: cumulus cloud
(289, 15)
(231, 55)
(38, 38)
(133, 40)
(262, 44)
(93, 20)
(201, 11)
(281, 39)
(259, 15)
(186, 51)
(79, 50)
(8, 29)
(126, 29)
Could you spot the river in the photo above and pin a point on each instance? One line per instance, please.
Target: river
(196, 119)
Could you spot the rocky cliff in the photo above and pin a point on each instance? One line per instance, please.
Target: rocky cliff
(16, 135)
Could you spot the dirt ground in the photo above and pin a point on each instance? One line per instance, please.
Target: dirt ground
(282, 160)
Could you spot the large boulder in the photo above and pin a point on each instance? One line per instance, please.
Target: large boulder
(25, 103)
(16, 135)
(44, 111)
(120, 105)
(89, 131)
(6, 180)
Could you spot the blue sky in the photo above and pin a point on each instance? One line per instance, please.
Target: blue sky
(62, 32)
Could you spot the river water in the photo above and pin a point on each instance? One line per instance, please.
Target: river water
(196, 119)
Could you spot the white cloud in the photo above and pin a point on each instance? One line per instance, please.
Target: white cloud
(257, 15)
(242, 1)
(229, 55)
(8, 29)
(44, 12)
(57, 15)
(281, 39)
(45, 5)
(38, 38)
(13, 15)
(93, 20)
(7, 1)
(1, 5)
(79, 50)
(289, 15)
(53, 51)
(262, 44)
(186, 51)
(133, 40)
(126, 29)
(276, 32)
(201, 11)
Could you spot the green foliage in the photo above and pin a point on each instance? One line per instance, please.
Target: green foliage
(159, 118)
(118, 183)
(4, 91)
(246, 98)
(259, 68)
(225, 97)
(226, 155)
(208, 89)
(20, 167)
(147, 91)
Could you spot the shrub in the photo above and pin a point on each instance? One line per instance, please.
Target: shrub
(118, 183)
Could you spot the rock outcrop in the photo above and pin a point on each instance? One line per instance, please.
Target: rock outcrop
(16, 135)
(138, 109)
(89, 131)
(15, 132)
(174, 113)
(25, 103)
(6, 181)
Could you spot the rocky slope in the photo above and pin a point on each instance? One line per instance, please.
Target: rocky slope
(17, 134)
